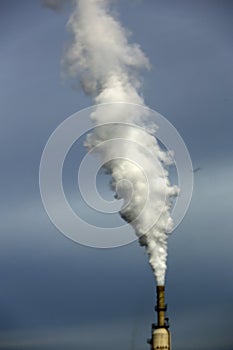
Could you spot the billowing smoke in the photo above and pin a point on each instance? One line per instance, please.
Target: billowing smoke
(101, 57)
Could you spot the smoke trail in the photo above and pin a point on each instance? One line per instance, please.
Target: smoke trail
(107, 65)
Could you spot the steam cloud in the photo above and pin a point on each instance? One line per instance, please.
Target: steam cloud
(107, 65)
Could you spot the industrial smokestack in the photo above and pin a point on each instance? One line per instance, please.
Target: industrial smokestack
(160, 338)
(161, 307)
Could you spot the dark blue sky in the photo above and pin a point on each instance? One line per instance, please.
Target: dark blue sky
(57, 294)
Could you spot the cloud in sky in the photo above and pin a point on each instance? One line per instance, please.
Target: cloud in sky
(85, 337)
(54, 4)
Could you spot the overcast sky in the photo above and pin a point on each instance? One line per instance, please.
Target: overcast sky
(57, 294)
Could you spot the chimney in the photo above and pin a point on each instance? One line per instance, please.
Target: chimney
(160, 338)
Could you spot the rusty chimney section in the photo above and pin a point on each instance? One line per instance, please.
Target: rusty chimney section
(161, 307)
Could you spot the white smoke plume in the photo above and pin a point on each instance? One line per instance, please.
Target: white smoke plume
(107, 65)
